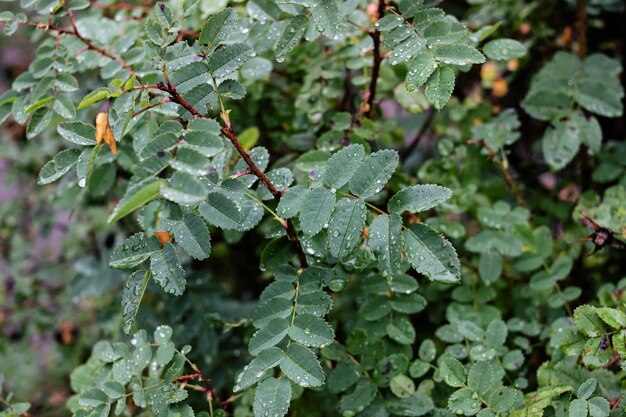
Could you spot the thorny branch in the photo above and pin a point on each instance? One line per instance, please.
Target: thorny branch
(254, 169)
(370, 95)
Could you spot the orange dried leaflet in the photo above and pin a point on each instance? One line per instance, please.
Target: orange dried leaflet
(163, 237)
(104, 133)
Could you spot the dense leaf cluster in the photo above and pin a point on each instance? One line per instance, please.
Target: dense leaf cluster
(393, 284)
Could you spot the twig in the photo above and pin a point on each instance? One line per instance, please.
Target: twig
(505, 171)
(370, 94)
(120, 6)
(420, 134)
(90, 44)
(150, 106)
(581, 27)
(230, 134)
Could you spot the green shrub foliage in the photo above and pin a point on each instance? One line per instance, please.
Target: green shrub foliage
(396, 282)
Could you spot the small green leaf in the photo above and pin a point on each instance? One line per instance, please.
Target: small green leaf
(360, 397)
(252, 373)
(302, 367)
(504, 49)
(373, 173)
(439, 87)
(418, 198)
(167, 270)
(345, 226)
(452, 372)
(385, 239)
(58, 166)
(420, 69)
(342, 165)
(458, 54)
(272, 397)
(136, 196)
(192, 234)
(310, 330)
(431, 255)
(295, 29)
(269, 335)
(228, 59)
(587, 389)
(218, 27)
(132, 294)
(133, 251)
(402, 386)
(316, 210)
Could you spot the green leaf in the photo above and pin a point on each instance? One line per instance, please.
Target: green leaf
(587, 321)
(327, 19)
(343, 376)
(269, 335)
(218, 27)
(221, 211)
(418, 198)
(295, 29)
(206, 143)
(291, 202)
(482, 378)
(134, 288)
(490, 267)
(420, 69)
(416, 405)
(167, 270)
(373, 173)
(342, 165)
(599, 98)
(452, 372)
(310, 330)
(458, 54)
(345, 226)
(504, 49)
(316, 210)
(252, 373)
(402, 386)
(439, 87)
(611, 316)
(133, 251)
(360, 397)
(464, 402)
(85, 164)
(184, 189)
(385, 239)
(578, 408)
(302, 367)
(560, 144)
(136, 196)
(431, 255)
(272, 397)
(598, 407)
(228, 59)
(192, 234)
(401, 330)
(271, 309)
(94, 97)
(58, 166)
(587, 389)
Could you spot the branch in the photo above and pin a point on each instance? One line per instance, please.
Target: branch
(370, 95)
(90, 45)
(420, 134)
(254, 169)
(581, 27)
(505, 171)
